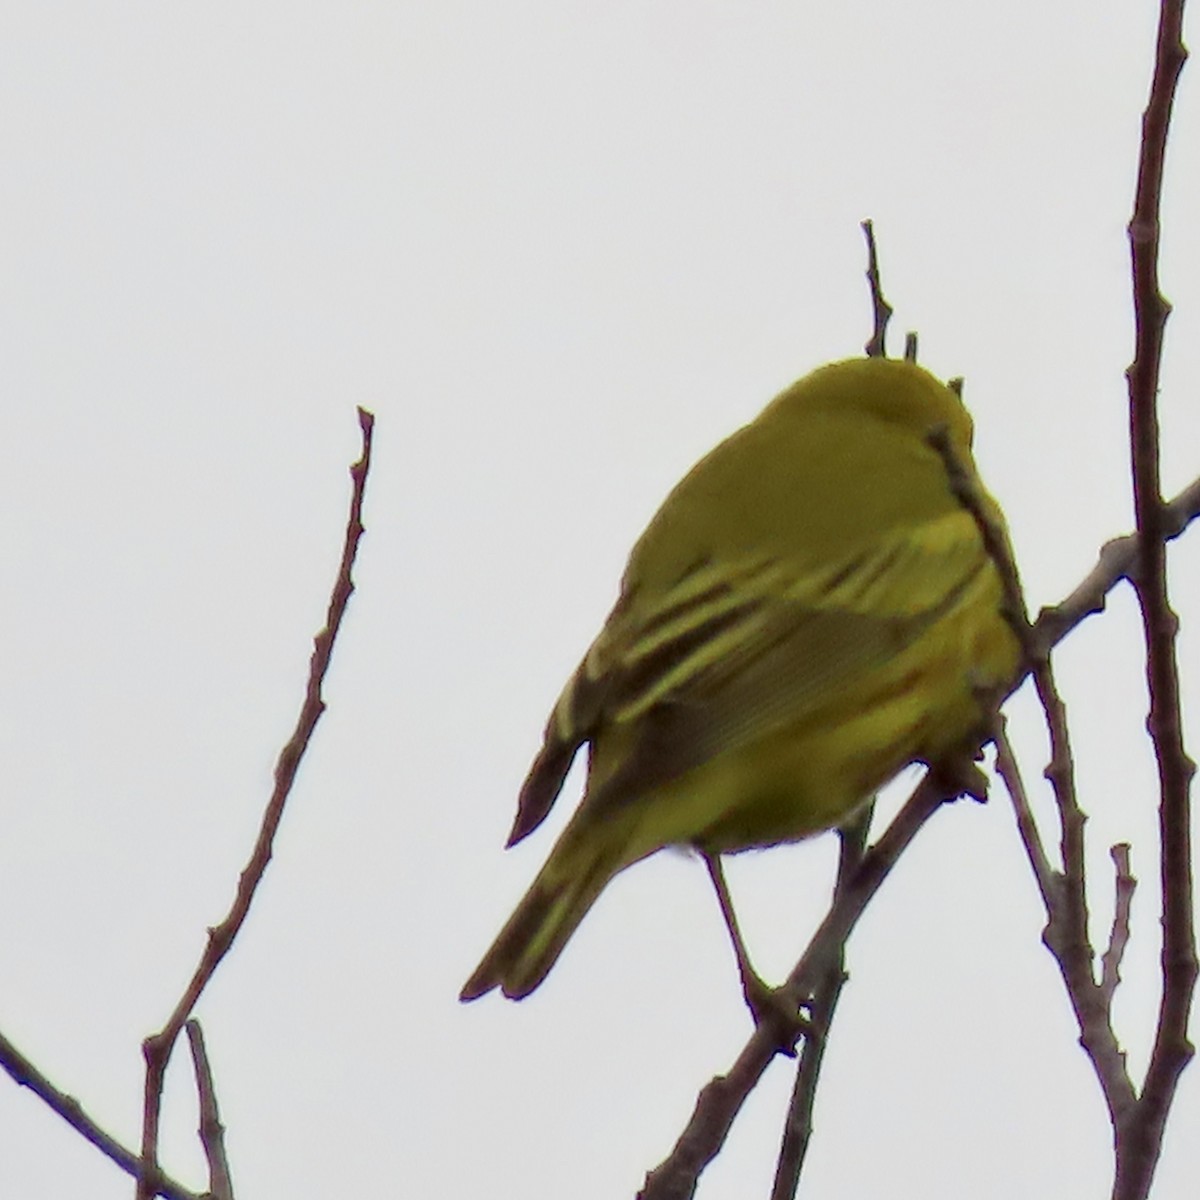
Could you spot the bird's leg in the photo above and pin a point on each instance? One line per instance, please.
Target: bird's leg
(767, 1004)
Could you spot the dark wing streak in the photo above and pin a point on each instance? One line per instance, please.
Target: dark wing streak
(792, 668)
(588, 697)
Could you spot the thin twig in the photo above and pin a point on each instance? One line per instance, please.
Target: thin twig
(27, 1075)
(1118, 559)
(157, 1048)
(968, 491)
(211, 1131)
(1139, 1133)
(1066, 934)
(722, 1097)
(1118, 936)
(798, 1125)
(881, 310)
(1064, 893)
(1044, 874)
(1074, 958)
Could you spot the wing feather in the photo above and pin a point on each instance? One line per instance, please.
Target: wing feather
(715, 667)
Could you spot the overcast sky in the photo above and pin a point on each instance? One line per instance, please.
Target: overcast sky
(560, 249)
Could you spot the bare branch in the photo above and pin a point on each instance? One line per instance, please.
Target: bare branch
(157, 1048)
(722, 1097)
(1118, 937)
(27, 1075)
(969, 492)
(1118, 560)
(881, 310)
(1066, 933)
(797, 1130)
(1047, 878)
(1139, 1135)
(212, 1132)
(719, 1101)
(1061, 892)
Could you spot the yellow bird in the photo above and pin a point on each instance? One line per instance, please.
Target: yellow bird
(811, 610)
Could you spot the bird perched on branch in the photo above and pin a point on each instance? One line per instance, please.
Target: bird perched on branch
(811, 610)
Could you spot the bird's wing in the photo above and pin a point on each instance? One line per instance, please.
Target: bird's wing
(739, 648)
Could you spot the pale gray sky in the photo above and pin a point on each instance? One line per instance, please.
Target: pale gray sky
(560, 249)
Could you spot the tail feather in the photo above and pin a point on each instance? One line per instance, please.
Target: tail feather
(542, 785)
(558, 899)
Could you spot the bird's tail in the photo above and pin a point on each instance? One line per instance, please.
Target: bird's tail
(580, 865)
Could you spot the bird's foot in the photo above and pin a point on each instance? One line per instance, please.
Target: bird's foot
(958, 776)
(784, 1021)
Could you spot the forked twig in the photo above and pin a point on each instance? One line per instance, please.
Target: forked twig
(157, 1048)
(27, 1075)
(798, 1125)
(1139, 1132)
(1061, 892)
(721, 1099)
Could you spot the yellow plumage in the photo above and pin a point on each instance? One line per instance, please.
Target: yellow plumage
(810, 611)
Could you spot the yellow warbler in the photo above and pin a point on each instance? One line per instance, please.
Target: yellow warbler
(810, 611)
